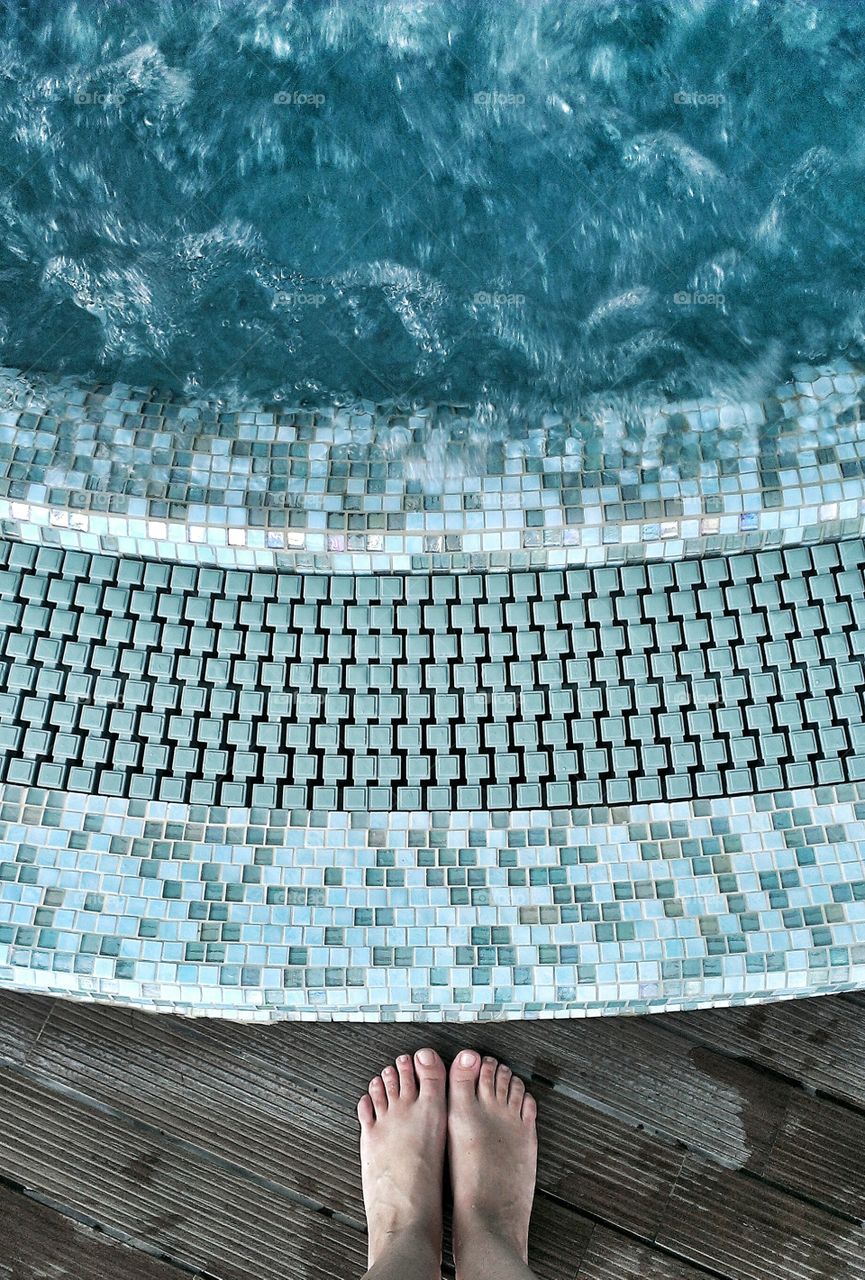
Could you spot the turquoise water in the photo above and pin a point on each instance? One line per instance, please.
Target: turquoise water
(521, 205)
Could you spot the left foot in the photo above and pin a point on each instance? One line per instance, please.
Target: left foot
(403, 1124)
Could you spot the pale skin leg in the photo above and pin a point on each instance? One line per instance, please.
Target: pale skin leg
(489, 1123)
(493, 1152)
(403, 1127)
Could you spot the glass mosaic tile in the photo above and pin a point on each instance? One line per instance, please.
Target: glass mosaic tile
(384, 752)
(136, 472)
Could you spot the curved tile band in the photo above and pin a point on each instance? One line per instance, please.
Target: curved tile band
(383, 489)
(504, 776)
(264, 913)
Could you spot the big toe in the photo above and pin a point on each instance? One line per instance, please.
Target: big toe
(464, 1073)
(430, 1070)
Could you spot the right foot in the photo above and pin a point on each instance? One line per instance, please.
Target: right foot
(492, 1150)
(402, 1141)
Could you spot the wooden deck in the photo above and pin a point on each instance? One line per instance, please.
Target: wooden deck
(676, 1147)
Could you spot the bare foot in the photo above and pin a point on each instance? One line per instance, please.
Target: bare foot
(492, 1150)
(403, 1123)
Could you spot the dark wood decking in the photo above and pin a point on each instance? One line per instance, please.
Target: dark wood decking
(677, 1147)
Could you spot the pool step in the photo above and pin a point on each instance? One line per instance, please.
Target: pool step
(525, 794)
(498, 692)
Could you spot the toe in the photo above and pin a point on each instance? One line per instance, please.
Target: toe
(407, 1078)
(378, 1095)
(365, 1111)
(503, 1079)
(390, 1076)
(430, 1072)
(487, 1082)
(530, 1109)
(464, 1075)
(516, 1094)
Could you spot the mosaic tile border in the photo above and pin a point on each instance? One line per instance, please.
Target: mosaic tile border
(503, 692)
(336, 715)
(109, 992)
(266, 914)
(372, 488)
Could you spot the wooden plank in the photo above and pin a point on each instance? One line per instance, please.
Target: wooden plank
(211, 1089)
(221, 1086)
(266, 1117)
(39, 1242)
(633, 1070)
(611, 1256)
(22, 1018)
(558, 1239)
(645, 1074)
(821, 1153)
(601, 1167)
(201, 1214)
(746, 1230)
(637, 1070)
(819, 1041)
(157, 1070)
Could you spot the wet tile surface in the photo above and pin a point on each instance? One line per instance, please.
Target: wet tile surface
(378, 488)
(377, 780)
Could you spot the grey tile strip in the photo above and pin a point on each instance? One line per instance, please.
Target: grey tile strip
(382, 488)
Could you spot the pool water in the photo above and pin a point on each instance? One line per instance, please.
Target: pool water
(511, 206)
(432, 506)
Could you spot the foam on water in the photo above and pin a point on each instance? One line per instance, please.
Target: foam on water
(371, 377)
(517, 207)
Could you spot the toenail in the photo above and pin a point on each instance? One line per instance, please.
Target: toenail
(425, 1057)
(403, 1057)
(467, 1059)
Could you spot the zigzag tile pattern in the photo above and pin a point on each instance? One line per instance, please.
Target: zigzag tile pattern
(290, 727)
(720, 676)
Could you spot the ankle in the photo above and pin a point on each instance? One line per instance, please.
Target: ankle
(414, 1241)
(482, 1234)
